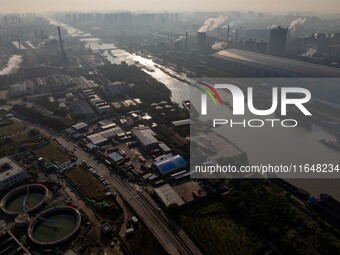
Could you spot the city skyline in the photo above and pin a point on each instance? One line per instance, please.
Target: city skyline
(327, 7)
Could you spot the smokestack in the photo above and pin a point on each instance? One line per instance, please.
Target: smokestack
(228, 33)
(236, 37)
(186, 40)
(19, 44)
(60, 41)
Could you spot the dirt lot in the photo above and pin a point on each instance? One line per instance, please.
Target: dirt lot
(185, 190)
(134, 153)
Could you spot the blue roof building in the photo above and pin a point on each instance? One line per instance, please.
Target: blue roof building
(170, 164)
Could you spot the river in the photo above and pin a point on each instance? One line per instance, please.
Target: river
(304, 142)
(179, 90)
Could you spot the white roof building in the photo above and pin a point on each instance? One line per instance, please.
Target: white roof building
(104, 136)
(10, 173)
(168, 195)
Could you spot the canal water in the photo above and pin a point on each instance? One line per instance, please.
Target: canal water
(180, 90)
(304, 142)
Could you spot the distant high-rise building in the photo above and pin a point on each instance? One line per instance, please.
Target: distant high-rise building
(202, 42)
(277, 41)
(236, 37)
(228, 33)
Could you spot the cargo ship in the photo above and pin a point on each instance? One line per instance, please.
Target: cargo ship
(177, 77)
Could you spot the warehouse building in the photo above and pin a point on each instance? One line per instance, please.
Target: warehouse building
(146, 137)
(100, 105)
(10, 173)
(164, 148)
(81, 109)
(106, 124)
(104, 136)
(170, 163)
(167, 196)
(78, 128)
(251, 64)
(22, 89)
(115, 157)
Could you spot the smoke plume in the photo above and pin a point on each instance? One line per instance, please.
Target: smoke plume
(296, 22)
(212, 23)
(219, 45)
(271, 26)
(309, 53)
(180, 38)
(12, 66)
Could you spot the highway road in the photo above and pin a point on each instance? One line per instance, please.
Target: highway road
(171, 237)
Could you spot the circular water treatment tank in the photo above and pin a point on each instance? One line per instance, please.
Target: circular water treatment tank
(55, 226)
(24, 199)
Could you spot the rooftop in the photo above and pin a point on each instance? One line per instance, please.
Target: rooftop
(164, 147)
(105, 124)
(170, 163)
(287, 65)
(168, 195)
(103, 136)
(9, 168)
(145, 136)
(81, 107)
(178, 123)
(16, 45)
(80, 125)
(115, 156)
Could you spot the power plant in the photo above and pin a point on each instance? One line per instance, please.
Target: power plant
(277, 41)
(97, 107)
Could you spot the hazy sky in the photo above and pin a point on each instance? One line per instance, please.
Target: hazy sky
(317, 6)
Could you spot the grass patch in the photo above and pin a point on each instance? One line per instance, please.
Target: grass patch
(215, 232)
(8, 148)
(20, 137)
(12, 128)
(24, 139)
(53, 153)
(144, 238)
(87, 183)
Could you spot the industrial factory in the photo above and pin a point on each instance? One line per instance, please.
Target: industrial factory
(96, 124)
